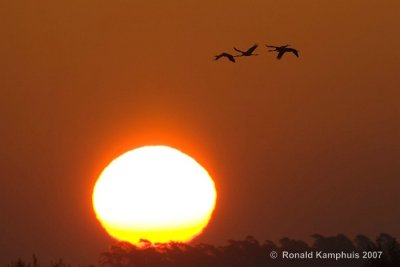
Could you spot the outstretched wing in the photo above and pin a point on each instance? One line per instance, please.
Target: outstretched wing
(231, 58)
(237, 50)
(251, 49)
(296, 52)
(224, 54)
(217, 57)
(280, 54)
(271, 46)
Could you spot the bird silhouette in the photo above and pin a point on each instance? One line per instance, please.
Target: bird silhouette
(247, 53)
(282, 50)
(227, 55)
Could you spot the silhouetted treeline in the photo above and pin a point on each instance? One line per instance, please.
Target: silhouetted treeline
(341, 251)
(35, 263)
(324, 251)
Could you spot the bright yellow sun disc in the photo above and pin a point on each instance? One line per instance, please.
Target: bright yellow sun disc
(155, 193)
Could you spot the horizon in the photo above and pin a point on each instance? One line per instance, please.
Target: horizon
(337, 250)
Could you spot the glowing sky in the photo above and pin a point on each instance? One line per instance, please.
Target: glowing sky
(296, 146)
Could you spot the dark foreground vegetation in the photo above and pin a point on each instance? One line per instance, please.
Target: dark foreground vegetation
(324, 251)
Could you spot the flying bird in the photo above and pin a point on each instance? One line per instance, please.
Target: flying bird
(227, 55)
(247, 53)
(282, 50)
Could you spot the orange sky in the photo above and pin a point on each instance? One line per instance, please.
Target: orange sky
(296, 147)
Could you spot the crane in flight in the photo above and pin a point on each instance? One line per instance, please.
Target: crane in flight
(247, 53)
(227, 55)
(282, 50)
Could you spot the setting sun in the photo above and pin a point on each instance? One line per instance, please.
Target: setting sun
(155, 193)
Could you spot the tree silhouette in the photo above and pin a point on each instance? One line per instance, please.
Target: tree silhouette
(248, 252)
(35, 263)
